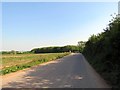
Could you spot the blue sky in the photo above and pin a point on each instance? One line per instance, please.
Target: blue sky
(38, 24)
(59, 0)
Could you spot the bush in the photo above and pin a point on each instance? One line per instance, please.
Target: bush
(103, 52)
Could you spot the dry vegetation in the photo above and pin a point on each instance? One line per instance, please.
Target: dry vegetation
(12, 63)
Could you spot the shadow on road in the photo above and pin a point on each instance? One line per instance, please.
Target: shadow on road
(68, 72)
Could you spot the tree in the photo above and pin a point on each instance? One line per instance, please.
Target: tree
(67, 48)
(103, 52)
(81, 45)
(13, 52)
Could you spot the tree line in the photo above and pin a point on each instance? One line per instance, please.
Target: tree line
(68, 48)
(103, 52)
(15, 52)
(57, 49)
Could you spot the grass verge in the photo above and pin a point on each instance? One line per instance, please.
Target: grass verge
(42, 59)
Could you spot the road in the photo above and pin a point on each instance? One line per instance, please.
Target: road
(71, 71)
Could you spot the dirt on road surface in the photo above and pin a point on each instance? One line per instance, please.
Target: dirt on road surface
(71, 71)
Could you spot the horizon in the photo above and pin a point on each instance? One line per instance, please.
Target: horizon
(35, 48)
(28, 25)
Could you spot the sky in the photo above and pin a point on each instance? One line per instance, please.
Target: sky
(59, 0)
(28, 25)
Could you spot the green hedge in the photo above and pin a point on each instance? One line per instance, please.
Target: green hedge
(103, 53)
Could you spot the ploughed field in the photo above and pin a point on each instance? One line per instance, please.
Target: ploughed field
(13, 63)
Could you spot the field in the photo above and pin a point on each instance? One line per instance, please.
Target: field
(12, 63)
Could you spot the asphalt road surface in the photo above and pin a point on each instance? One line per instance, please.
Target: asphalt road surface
(71, 71)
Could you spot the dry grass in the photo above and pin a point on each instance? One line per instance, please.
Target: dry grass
(12, 63)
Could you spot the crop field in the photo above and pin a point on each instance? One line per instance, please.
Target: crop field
(12, 63)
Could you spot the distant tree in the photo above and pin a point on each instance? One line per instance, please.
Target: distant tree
(81, 45)
(67, 48)
(13, 52)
